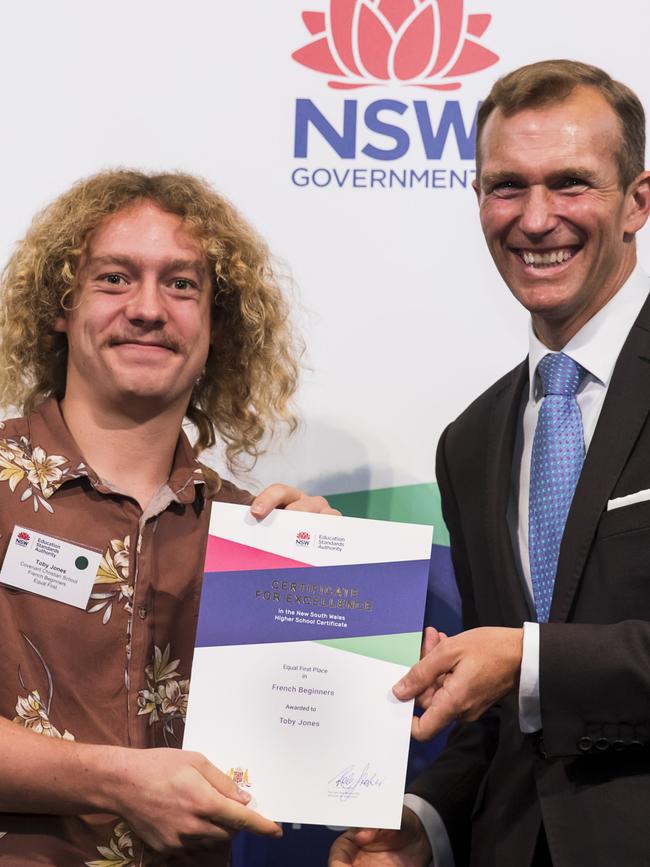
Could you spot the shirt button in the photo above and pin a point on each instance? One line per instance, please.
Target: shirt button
(602, 744)
(142, 612)
(584, 744)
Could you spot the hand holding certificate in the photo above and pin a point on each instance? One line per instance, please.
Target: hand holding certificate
(305, 623)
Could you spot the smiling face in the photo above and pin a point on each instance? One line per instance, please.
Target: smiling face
(139, 331)
(558, 225)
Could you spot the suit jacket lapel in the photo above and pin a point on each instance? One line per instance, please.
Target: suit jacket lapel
(624, 411)
(501, 444)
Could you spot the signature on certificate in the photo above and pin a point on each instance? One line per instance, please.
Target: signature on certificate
(350, 781)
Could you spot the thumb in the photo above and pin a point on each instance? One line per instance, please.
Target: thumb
(425, 672)
(366, 837)
(223, 783)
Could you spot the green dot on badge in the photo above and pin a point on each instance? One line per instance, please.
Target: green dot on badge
(81, 562)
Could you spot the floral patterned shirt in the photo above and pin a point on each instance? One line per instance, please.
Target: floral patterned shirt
(118, 672)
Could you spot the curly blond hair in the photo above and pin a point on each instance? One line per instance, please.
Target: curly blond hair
(249, 380)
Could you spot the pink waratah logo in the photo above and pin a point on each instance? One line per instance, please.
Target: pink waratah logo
(302, 538)
(22, 539)
(424, 43)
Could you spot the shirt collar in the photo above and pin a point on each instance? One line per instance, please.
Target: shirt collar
(597, 345)
(186, 472)
(55, 459)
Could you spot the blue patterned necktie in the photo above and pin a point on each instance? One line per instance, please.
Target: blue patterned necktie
(556, 462)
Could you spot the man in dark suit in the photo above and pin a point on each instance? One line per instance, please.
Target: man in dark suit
(545, 484)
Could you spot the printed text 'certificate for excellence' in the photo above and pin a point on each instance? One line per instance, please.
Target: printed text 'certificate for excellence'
(305, 623)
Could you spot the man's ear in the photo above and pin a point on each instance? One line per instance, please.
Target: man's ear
(638, 204)
(477, 189)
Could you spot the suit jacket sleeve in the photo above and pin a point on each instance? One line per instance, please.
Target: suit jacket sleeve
(594, 687)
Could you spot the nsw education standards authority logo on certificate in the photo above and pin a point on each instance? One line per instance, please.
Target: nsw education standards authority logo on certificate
(303, 538)
(321, 541)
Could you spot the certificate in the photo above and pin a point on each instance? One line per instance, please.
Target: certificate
(305, 623)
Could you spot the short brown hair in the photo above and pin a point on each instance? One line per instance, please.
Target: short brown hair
(249, 377)
(549, 81)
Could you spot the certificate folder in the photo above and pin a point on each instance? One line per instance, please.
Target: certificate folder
(305, 622)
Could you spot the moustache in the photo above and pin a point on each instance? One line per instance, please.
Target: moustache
(166, 341)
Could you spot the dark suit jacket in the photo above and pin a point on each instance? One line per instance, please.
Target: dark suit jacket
(588, 775)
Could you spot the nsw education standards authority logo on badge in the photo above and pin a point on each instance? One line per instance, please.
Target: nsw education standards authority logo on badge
(240, 777)
(23, 539)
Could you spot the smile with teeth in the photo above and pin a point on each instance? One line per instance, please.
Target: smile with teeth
(546, 258)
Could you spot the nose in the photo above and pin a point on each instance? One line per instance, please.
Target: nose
(537, 217)
(145, 307)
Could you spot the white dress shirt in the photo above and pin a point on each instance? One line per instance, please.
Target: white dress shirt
(596, 347)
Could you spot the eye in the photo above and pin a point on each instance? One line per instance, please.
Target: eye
(505, 188)
(572, 183)
(113, 279)
(184, 287)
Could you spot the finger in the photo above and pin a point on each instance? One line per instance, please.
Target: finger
(221, 782)
(343, 852)
(231, 815)
(423, 674)
(429, 641)
(435, 718)
(363, 836)
(274, 497)
(206, 834)
(377, 840)
(425, 698)
(319, 505)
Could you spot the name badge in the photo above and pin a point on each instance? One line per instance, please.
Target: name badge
(50, 567)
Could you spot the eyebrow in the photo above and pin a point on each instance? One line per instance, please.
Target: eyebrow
(489, 179)
(124, 261)
(196, 265)
(580, 172)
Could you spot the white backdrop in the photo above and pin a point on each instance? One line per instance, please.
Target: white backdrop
(404, 316)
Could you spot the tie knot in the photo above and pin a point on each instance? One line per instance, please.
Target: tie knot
(560, 374)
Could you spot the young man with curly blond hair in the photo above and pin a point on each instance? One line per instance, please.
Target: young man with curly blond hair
(134, 302)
